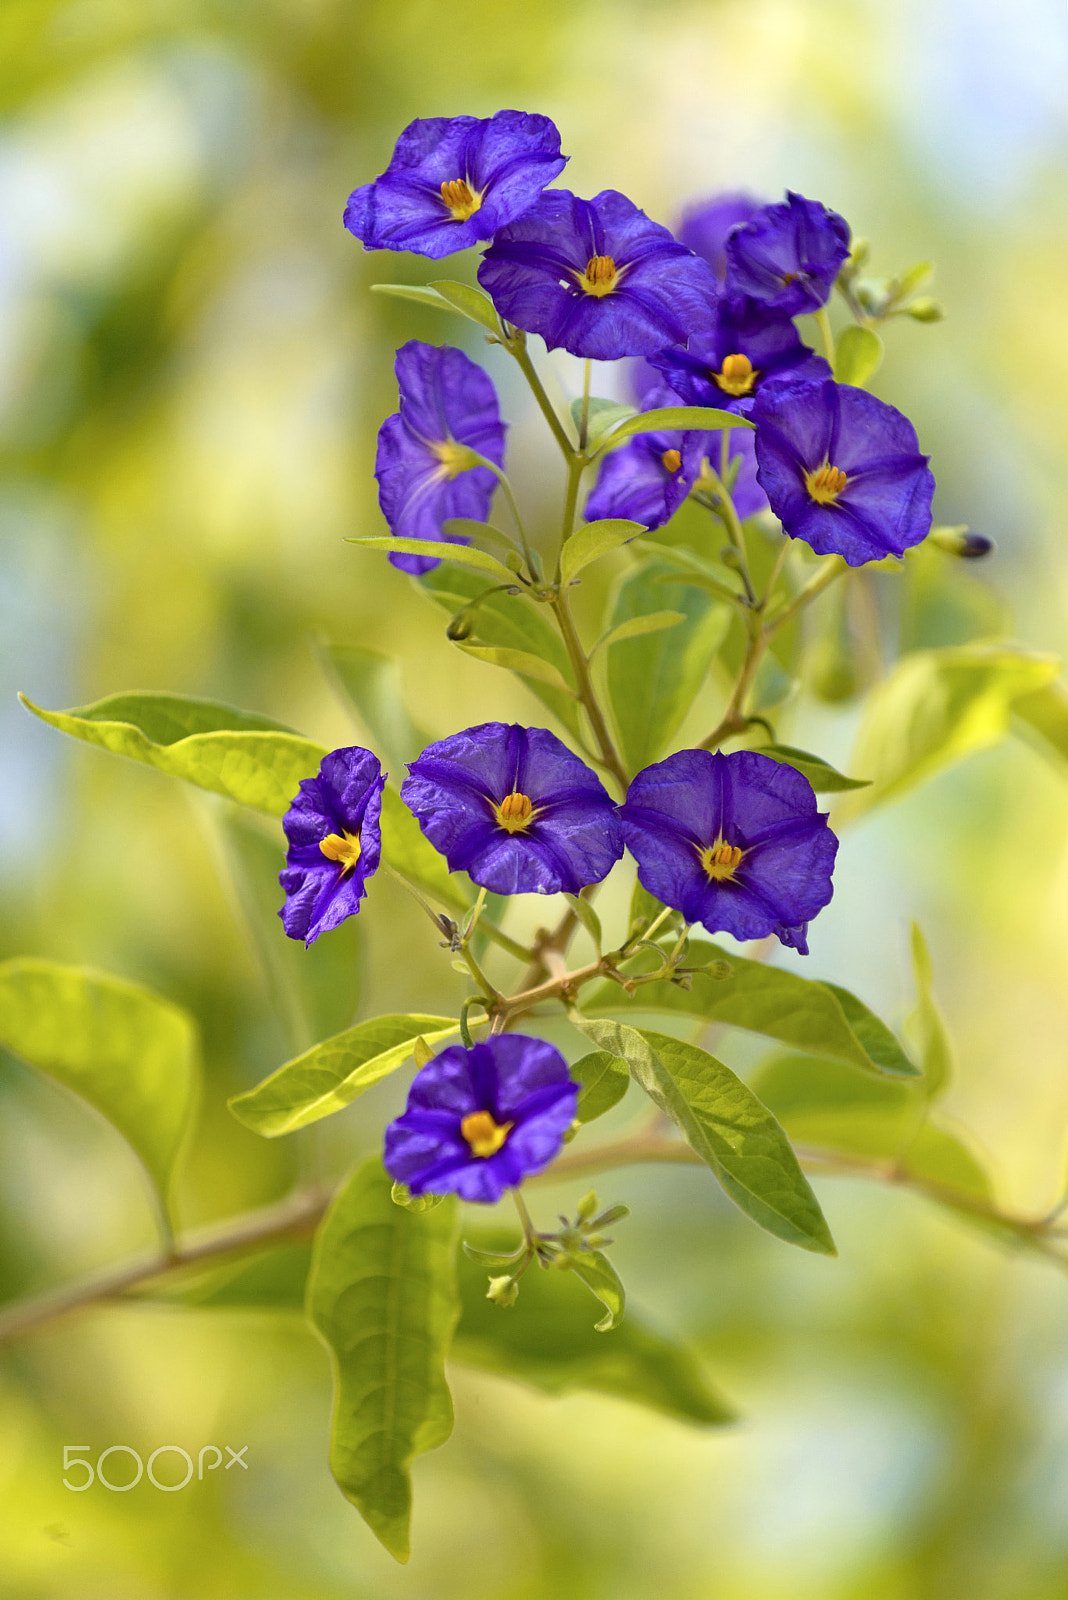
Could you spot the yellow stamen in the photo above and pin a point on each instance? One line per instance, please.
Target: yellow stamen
(600, 276)
(721, 860)
(343, 847)
(515, 812)
(461, 200)
(736, 376)
(672, 461)
(825, 484)
(483, 1135)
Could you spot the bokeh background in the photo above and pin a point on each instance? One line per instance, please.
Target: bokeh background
(192, 372)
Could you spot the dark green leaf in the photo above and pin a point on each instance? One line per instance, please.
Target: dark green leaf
(592, 541)
(604, 1079)
(820, 774)
(383, 1296)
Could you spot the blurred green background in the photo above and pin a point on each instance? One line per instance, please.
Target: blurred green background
(191, 376)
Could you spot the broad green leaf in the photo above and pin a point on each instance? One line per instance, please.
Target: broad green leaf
(726, 1125)
(820, 774)
(858, 353)
(333, 1073)
(1043, 718)
(593, 540)
(816, 1017)
(601, 1279)
(602, 417)
(604, 1079)
(383, 1296)
(409, 852)
(246, 757)
(519, 661)
(653, 680)
(469, 301)
(368, 684)
(925, 1024)
(702, 419)
(127, 1051)
(654, 622)
(936, 707)
(464, 554)
(548, 1341)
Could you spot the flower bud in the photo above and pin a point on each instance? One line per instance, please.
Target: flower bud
(503, 1291)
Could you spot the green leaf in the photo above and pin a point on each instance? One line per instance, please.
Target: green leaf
(703, 419)
(409, 852)
(1043, 718)
(465, 554)
(858, 353)
(602, 417)
(653, 680)
(549, 1341)
(519, 661)
(604, 1079)
(469, 301)
(601, 1279)
(726, 1125)
(368, 684)
(935, 708)
(246, 757)
(382, 1295)
(127, 1051)
(333, 1073)
(820, 774)
(820, 1018)
(925, 1024)
(588, 918)
(593, 540)
(654, 622)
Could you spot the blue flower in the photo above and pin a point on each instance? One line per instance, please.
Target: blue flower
(734, 842)
(334, 843)
(747, 348)
(788, 256)
(455, 180)
(842, 470)
(706, 227)
(515, 809)
(597, 278)
(424, 465)
(647, 479)
(479, 1121)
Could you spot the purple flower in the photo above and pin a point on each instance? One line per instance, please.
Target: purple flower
(788, 255)
(514, 808)
(842, 470)
(748, 348)
(734, 842)
(334, 843)
(455, 180)
(597, 278)
(479, 1121)
(448, 408)
(647, 479)
(706, 227)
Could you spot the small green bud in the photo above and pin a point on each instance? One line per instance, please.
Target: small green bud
(925, 310)
(503, 1291)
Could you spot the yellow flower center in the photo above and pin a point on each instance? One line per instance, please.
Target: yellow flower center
(672, 461)
(721, 860)
(515, 812)
(736, 376)
(600, 276)
(825, 484)
(461, 200)
(343, 847)
(484, 1136)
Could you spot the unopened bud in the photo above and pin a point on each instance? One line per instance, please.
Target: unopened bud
(924, 309)
(503, 1291)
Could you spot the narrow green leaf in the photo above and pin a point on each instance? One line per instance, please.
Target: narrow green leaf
(469, 301)
(703, 419)
(820, 774)
(368, 684)
(519, 661)
(588, 918)
(858, 353)
(382, 1295)
(246, 757)
(128, 1052)
(653, 622)
(333, 1073)
(820, 1018)
(935, 708)
(604, 1079)
(925, 1024)
(592, 541)
(549, 1341)
(465, 555)
(409, 852)
(601, 1279)
(726, 1125)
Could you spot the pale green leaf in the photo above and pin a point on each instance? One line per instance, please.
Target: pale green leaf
(653, 622)
(246, 757)
(125, 1050)
(726, 1125)
(602, 1280)
(334, 1072)
(382, 1294)
(593, 540)
(465, 555)
(519, 661)
(469, 301)
(820, 774)
(368, 684)
(858, 353)
(604, 1079)
(925, 1024)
